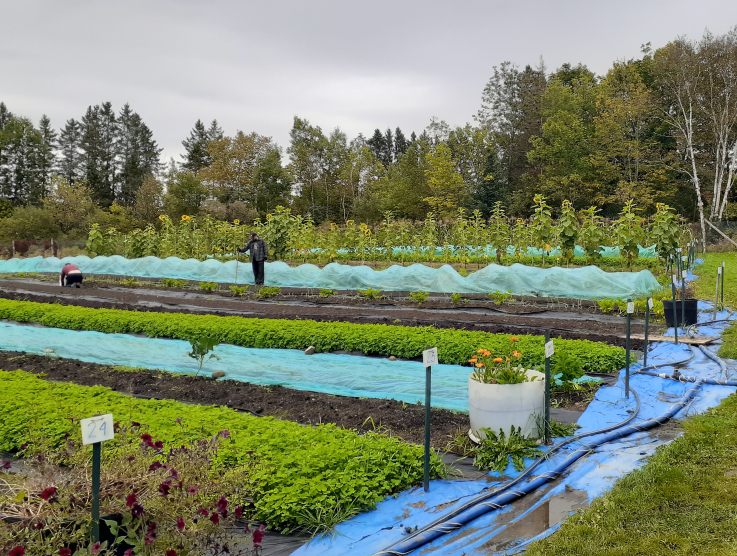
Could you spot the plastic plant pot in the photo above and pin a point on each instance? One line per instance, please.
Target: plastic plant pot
(691, 311)
(503, 406)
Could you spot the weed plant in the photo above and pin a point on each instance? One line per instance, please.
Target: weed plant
(420, 297)
(266, 292)
(208, 286)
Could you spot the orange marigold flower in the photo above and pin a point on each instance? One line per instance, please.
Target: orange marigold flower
(472, 360)
(498, 360)
(479, 365)
(516, 354)
(508, 359)
(480, 351)
(514, 339)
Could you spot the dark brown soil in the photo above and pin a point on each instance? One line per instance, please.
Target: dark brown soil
(562, 319)
(363, 414)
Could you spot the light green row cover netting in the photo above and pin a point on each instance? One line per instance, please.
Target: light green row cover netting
(579, 283)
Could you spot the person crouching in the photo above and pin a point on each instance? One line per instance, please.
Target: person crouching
(70, 274)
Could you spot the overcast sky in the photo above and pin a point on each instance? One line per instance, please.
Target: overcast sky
(357, 65)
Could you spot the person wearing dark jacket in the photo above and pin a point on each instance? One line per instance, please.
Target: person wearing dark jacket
(70, 274)
(259, 253)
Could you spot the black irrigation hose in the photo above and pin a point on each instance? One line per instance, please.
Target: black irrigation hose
(441, 525)
(489, 494)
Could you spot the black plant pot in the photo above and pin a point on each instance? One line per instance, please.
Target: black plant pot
(691, 311)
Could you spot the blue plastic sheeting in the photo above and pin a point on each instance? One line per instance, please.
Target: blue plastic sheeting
(579, 283)
(344, 375)
(509, 530)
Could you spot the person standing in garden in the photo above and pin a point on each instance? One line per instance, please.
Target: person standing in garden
(259, 253)
(70, 274)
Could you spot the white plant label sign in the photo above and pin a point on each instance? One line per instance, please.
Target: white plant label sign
(719, 270)
(549, 349)
(97, 429)
(684, 274)
(630, 307)
(430, 357)
(650, 302)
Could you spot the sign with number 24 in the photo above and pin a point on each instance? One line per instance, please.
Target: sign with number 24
(97, 429)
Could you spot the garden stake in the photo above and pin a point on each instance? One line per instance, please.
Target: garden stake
(236, 270)
(96, 449)
(427, 428)
(627, 354)
(675, 317)
(683, 298)
(724, 268)
(716, 293)
(647, 324)
(546, 431)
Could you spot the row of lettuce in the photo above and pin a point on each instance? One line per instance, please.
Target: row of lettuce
(454, 346)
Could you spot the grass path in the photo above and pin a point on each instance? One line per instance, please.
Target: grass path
(682, 503)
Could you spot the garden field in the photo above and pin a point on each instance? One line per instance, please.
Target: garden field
(590, 335)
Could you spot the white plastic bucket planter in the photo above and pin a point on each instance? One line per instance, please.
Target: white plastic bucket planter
(503, 406)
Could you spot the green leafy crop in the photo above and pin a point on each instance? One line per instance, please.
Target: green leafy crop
(454, 346)
(303, 469)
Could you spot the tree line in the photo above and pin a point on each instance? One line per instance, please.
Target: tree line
(661, 128)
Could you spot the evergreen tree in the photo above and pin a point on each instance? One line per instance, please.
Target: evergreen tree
(21, 179)
(400, 144)
(389, 146)
(215, 132)
(195, 146)
(379, 147)
(70, 157)
(138, 155)
(5, 117)
(47, 158)
(98, 146)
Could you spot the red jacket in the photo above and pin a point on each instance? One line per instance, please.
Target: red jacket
(70, 269)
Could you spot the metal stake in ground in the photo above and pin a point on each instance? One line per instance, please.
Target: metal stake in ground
(95, 431)
(723, 270)
(716, 293)
(429, 358)
(675, 317)
(549, 350)
(683, 298)
(648, 306)
(630, 310)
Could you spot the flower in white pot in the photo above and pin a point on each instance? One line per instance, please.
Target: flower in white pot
(503, 394)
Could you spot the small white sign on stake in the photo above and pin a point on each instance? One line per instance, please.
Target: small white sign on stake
(650, 302)
(684, 258)
(630, 307)
(430, 357)
(549, 349)
(719, 270)
(684, 274)
(97, 429)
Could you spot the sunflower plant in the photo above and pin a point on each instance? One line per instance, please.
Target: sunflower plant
(500, 368)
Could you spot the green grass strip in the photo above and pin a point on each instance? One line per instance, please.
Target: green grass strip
(454, 346)
(705, 286)
(304, 468)
(682, 503)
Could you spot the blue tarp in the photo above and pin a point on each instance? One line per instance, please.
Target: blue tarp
(579, 283)
(508, 530)
(344, 375)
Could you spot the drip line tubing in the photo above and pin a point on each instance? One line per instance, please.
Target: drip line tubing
(504, 495)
